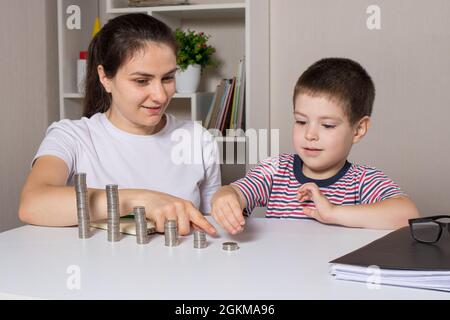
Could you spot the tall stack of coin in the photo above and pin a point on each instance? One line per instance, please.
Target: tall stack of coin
(112, 199)
(199, 239)
(171, 233)
(141, 225)
(84, 219)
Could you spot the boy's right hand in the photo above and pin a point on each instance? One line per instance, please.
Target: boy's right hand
(226, 209)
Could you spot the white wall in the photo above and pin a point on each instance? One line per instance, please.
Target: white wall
(409, 61)
(28, 91)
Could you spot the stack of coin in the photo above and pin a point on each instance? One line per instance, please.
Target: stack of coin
(171, 233)
(112, 199)
(230, 246)
(84, 219)
(199, 239)
(141, 225)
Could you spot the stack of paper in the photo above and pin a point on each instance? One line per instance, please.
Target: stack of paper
(435, 280)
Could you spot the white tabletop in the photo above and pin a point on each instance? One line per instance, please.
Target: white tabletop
(277, 259)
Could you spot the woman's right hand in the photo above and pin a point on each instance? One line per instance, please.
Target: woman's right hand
(160, 207)
(47, 201)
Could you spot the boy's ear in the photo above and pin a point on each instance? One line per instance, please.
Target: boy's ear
(360, 129)
(106, 82)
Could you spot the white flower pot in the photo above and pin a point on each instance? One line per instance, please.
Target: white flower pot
(188, 80)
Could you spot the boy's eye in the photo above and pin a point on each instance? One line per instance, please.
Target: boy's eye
(329, 126)
(300, 122)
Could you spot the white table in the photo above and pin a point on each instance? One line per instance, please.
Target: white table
(277, 259)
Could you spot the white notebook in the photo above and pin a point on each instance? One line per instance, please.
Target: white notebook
(127, 225)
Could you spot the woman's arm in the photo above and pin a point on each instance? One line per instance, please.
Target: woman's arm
(47, 201)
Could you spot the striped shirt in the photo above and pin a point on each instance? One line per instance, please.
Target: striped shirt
(275, 181)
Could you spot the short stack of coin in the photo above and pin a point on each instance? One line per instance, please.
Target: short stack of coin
(141, 225)
(171, 233)
(84, 219)
(199, 239)
(230, 246)
(112, 199)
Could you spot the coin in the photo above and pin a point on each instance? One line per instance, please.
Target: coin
(230, 246)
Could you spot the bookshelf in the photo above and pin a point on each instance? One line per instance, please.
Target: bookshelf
(238, 29)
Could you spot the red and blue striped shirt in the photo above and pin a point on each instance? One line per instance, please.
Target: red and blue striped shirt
(275, 181)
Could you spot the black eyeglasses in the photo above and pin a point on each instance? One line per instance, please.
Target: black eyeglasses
(429, 229)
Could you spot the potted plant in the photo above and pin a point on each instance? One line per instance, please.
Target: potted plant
(194, 54)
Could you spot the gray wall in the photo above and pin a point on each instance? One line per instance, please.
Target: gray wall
(409, 60)
(28, 91)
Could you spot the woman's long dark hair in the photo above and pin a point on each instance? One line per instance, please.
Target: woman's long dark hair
(117, 41)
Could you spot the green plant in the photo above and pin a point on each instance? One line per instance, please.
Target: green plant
(193, 49)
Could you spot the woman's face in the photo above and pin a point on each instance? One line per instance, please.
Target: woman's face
(141, 89)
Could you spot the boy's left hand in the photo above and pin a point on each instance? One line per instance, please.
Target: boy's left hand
(324, 208)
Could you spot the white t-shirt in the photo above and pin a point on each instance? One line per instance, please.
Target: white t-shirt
(182, 159)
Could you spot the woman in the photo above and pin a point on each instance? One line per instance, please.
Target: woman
(125, 138)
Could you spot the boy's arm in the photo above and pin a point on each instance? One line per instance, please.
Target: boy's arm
(253, 190)
(226, 208)
(391, 213)
(242, 201)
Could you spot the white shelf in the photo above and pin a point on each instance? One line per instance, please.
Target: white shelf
(237, 28)
(229, 10)
(198, 105)
(189, 95)
(73, 96)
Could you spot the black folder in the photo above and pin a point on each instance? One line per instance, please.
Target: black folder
(398, 260)
(398, 250)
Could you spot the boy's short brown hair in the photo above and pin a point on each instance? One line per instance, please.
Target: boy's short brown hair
(343, 80)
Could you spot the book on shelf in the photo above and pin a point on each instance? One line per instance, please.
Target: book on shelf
(237, 99)
(215, 105)
(225, 119)
(227, 106)
(240, 107)
(398, 260)
(220, 107)
(214, 100)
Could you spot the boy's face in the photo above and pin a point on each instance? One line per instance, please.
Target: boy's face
(323, 135)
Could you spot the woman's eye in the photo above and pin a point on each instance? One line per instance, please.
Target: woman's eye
(329, 126)
(168, 79)
(300, 122)
(141, 81)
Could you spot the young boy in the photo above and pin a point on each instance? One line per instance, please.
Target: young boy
(333, 102)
